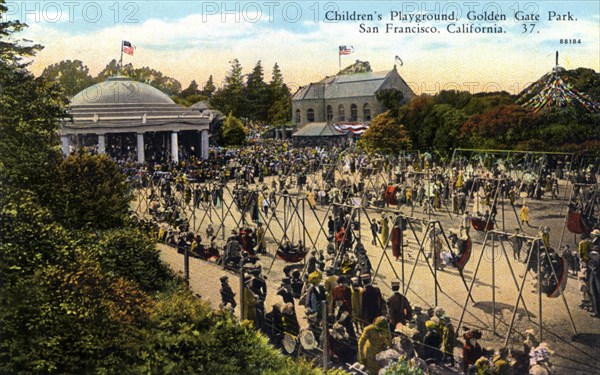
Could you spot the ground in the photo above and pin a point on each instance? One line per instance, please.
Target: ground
(576, 349)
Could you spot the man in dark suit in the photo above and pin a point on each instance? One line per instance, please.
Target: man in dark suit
(372, 303)
(399, 310)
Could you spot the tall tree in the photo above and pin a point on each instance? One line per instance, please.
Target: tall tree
(280, 99)
(192, 89)
(72, 75)
(30, 109)
(230, 99)
(209, 87)
(257, 95)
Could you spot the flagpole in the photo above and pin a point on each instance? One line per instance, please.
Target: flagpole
(120, 61)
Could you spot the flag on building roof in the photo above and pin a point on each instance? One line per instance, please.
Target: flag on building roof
(346, 50)
(356, 128)
(128, 48)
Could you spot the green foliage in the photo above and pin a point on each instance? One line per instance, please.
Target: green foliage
(257, 95)
(280, 111)
(391, 100)
(132, 255)
(234, 131)
(403, 367)
(72, 76)
(209, 87)
(90, 192)
(385, 135)
(168, 85)
(30, 109)
(186, 336)
(230, 99)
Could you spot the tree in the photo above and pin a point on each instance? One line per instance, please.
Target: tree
(391, 100)
(192, 89)
(30, 109)
(257, 95)
(503, 126)
(280, 98)
(90, 191)
(385, 135)
(168, 85)
(209, 87)
(230, 98)
(234, 131)
(72, 76)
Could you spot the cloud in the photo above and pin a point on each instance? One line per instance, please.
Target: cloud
(196, 46)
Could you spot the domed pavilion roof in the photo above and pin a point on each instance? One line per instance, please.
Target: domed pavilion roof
(120, 90)
(121, 104)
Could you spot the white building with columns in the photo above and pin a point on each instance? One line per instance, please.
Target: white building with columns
(135, 121)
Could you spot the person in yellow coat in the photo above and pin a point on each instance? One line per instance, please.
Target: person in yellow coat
(374, 339)
(385, 230)
(250, 302)
(311, 199)
(525, 216)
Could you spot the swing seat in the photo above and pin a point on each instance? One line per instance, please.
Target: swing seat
(464, 247)
(292, 256)
(390, 195)
(576, 223)
(482, 225)
(554, 288)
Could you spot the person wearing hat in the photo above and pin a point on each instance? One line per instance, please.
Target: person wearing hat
(261, 241)
(472, 351)
(372, 302)
(374, 230)
(384, 230)
(516, 241)
(501, 363)
(227, 294)
(329, 284)
(432, 343)
(355, 296)
(399, 309)
(250, 301)
(375, 338)
(448, 339)
(525, 215)
(341, 292)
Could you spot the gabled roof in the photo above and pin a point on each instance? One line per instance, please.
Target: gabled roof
(317, 129)
(343, 86)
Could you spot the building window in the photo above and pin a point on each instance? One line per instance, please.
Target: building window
(298, 118)
(353, 112)
(341, 113)
(367, 112)
(310, 115)
(329, 113)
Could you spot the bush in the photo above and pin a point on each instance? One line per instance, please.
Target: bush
(91, 191)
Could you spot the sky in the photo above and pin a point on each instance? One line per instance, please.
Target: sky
(190, 40)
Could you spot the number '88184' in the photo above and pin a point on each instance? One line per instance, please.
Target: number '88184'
(570, 41)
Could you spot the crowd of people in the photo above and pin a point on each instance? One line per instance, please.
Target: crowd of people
(336, 287)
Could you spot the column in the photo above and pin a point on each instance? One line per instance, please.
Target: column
(66, 147)
(140, 148)
(174, 148)
(204, 148)
(101, 144)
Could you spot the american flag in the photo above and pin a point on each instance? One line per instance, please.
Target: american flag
(128, 48)
(346, 50)
(356, 128)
